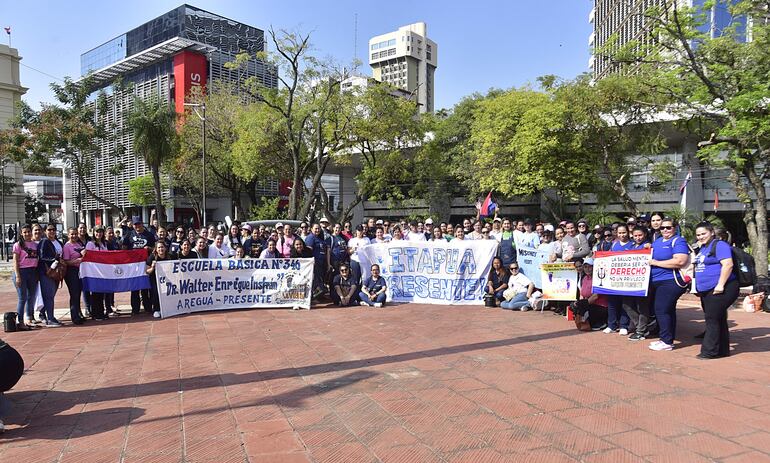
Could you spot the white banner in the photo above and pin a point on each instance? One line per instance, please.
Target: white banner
(196, 285)
(431, 272)
(622, 273)
(529, 260)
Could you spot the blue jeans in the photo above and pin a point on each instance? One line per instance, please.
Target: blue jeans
(365, 298)
(518, 301)
(498, 294)
(26, 292)
(72, 278)
(616, 311)
(664, 296)
(48, 289)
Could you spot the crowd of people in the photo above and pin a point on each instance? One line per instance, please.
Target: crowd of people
(42, 260)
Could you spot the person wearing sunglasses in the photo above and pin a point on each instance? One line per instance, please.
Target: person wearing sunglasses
(670, 254)
(175, 244)
(344, 288)
(520, 289)
(49, 257)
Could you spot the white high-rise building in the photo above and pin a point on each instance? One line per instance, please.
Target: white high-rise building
(406, 59)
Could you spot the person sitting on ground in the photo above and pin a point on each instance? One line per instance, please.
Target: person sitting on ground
(373, 291)
(520, 289)
(591, 307)
(344, 289)
(497, 280)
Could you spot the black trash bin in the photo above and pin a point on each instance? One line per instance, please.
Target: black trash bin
(9, 322)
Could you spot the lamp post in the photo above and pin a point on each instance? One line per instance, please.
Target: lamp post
(2, 201)
(202, 117)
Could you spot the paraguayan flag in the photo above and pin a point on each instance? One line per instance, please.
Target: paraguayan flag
(114, 271)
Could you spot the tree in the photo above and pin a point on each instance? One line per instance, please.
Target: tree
(155, 139)
(141, 190)
(33, 208)
(717, 87)
(66, 130)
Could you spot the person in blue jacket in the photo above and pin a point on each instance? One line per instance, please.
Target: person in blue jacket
(373, 291)
(717, 287)
(670, 254)
(617, 315)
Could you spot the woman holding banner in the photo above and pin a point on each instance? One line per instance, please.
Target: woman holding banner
(160, 254)
(717, 288)
(638, 308)
(617, 317)
(670, 254)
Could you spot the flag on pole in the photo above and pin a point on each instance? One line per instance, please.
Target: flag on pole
(683, 192)
(716, 200)
(114, 271)
(488, 207)
(7, 30)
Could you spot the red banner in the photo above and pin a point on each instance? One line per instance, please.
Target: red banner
(189, 72)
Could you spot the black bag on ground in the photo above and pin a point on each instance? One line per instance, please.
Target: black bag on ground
(9, 322)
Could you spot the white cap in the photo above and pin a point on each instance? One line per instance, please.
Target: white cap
(323, 219)
(548, 227)
(588, 261)
(429, 221)
(497, 219)
(379, 222)
(278, 225)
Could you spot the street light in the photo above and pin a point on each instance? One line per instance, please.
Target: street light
(3, 163)
(202, 117)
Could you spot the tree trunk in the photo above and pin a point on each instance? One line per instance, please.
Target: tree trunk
(99, 199)
(160, 213)
(756, 223)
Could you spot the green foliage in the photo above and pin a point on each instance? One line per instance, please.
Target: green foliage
(141, 190)
(267, 209)
(601, 216)
(152, 122)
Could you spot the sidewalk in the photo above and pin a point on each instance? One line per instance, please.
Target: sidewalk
(408, 383)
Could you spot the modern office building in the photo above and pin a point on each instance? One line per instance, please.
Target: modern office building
(165, 57)
(620, 22)
(407, 59)
(10, 95)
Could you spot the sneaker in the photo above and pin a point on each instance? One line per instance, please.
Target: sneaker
(623, 332)
(296, 307)
(378, 304)
(363, 304)
(156, 314)
(53, 323)
(524, 308)
(608, 330)
(636, 337)
(660, 345)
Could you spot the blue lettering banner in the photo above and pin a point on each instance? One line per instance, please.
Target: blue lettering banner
(431, 272)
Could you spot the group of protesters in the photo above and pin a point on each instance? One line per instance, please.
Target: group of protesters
(338, 276)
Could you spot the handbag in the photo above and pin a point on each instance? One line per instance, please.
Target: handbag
(56, 274)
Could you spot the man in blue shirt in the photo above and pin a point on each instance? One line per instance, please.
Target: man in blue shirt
(321, 255)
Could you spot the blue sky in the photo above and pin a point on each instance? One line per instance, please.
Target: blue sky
(482, 44)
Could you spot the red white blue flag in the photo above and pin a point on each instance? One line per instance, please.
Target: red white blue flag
(114, 271)
(488, 207)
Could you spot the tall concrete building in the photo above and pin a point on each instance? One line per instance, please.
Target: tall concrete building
(407, 59)
(620, 22)
(163, 58)
(10, 95)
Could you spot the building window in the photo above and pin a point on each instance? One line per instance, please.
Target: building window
(374, 55)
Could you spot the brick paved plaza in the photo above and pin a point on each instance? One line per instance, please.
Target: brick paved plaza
(409, 383)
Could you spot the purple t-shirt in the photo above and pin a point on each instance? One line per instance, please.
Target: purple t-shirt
(708, 268)
(72, 251)
(26, 259)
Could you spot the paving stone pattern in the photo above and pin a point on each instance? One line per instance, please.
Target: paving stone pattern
(408, 383)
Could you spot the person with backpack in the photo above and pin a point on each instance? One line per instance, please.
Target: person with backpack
(717, 286)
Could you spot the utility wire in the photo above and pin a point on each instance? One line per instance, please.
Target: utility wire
(42, 72)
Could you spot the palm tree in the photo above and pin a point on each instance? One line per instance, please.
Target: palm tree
(155, 139)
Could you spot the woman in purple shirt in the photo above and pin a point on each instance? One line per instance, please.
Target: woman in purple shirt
(718, 289)
(72, 254)
(24, 276)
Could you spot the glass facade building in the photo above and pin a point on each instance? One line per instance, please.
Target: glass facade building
(163, 58)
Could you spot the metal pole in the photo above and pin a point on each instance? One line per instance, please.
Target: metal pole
(2, 200)
(203, 108)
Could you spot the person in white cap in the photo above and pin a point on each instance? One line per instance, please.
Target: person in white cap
(428, 229)
(497, 229)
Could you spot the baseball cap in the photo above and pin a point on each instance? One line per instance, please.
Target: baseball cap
(429, 221)
(379, 222)
(323, 219)
(246, 227)
(136, 219)
(588, 261)
(497, 219)
(278, 225)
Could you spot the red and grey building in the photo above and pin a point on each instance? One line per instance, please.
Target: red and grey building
(165, 57)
